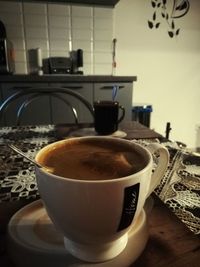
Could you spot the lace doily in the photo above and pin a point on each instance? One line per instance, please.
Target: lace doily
(179, 188)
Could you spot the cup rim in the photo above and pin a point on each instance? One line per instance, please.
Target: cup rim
(115, 180)
(99, 102)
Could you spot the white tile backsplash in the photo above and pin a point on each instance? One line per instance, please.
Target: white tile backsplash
(32, 8)
(103, 46)
(83, 34)
(58, 28)
(11, 18)
(102, 58)
(18, 43)
(59, 53)
(88, 69)
(11, 8)
(103, 35)
(103, 12)
(82, 23)
(103, 23)
(21, 67)
(59, 45)
(20, 55)
(15, 32)
(59, 21)
(81, 11)
(35, 20)
(58, 10)
(86, 45)
(45, 53)
(103, 69)
(59, 33)
(36, 43)
(36, 32)
(87, 58)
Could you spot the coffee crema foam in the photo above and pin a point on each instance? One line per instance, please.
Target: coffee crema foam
(92, 159)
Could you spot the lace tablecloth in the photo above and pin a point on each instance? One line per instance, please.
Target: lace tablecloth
(179, 188)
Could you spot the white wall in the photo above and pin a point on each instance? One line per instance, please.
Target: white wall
(168, 69)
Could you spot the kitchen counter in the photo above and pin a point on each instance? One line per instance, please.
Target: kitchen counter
(65, 78)
(91, 87)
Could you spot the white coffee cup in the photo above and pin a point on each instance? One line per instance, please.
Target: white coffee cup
(96, 215)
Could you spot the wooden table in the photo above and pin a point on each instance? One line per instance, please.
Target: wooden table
(170, 244)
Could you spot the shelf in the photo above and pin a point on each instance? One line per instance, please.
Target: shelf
(100, 3)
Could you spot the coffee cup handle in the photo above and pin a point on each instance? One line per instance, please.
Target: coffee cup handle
(123, 113)
(162, 164)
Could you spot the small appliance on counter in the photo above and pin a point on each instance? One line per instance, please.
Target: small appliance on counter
(7, 64)
(64, 65)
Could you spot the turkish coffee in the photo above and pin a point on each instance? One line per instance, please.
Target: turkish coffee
(92, 159)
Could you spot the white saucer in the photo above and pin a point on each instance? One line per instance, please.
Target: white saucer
(92, 132)
(33, 241)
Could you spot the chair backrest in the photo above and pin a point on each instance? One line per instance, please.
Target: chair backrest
(73, 103)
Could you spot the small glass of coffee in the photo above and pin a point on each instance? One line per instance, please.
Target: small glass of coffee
(106, 116)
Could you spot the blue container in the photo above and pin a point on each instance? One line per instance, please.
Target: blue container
(141, 113)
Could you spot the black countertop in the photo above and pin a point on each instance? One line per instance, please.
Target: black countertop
(65, 78)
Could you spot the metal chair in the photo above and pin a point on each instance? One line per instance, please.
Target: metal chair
(30, 95)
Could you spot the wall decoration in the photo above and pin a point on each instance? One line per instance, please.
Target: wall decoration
(168, 11)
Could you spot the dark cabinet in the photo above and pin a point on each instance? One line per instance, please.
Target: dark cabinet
(33, 114)
(62, 113)
(48, 109)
